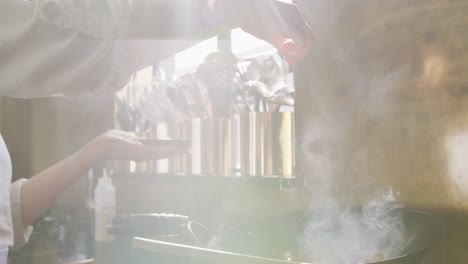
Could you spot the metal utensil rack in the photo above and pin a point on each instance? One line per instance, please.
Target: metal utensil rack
(238, 114)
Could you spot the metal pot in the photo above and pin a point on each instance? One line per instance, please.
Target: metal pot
(266, 144)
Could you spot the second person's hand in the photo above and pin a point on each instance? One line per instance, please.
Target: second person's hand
(281, 24)
(121, 145)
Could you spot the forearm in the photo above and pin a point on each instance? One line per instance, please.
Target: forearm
(181, 19)
(162, 28)
(39, 193)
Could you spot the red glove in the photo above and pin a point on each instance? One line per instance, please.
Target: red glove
(291, 52)
(282, 25)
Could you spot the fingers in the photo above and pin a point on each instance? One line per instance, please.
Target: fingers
(145, 152)
(181, 143)
(120, 135)
(121, 145)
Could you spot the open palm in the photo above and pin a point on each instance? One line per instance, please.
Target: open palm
(121, 145)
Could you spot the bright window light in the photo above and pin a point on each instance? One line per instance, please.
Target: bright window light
(245, 45)
(189, 59)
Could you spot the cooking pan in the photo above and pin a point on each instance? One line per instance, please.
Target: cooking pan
(276, 240)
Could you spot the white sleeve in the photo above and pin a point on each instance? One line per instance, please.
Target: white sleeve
(52, 47)
(80, 47)
(21, 233)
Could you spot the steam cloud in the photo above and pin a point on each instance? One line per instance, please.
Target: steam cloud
(347, 100)
(337, 235)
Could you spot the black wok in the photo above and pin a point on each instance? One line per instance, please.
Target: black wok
(277, 237)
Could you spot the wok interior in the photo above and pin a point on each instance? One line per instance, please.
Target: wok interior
(279, 236)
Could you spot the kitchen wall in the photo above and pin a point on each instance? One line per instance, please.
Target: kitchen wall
(383, 101)
(41, 132)
(16, 131)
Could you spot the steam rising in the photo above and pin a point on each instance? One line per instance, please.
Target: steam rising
(349, 100)
(348, 235)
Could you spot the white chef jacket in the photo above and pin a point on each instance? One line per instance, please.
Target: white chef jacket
(12, 232)
(50, 47)
(75, 47)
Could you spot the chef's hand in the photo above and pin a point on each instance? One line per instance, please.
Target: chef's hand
(113, 144)
(279, 23)
(120, 145)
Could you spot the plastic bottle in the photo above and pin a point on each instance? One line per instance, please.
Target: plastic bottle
(104, 208)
